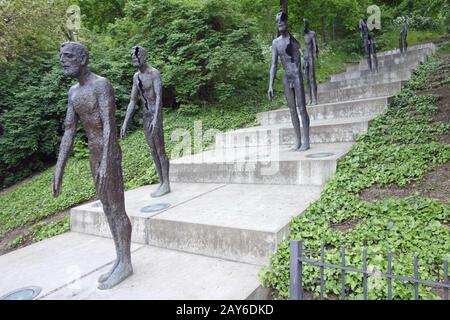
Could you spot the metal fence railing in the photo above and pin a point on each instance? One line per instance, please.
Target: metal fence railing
(298, 260)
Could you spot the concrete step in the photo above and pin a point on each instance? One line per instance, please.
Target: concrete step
(413, 48)
(67, 267)
(274, 165)
(336, 110)
(357, 93)
(367, 74)
(393, 61)
(378, 78)
(237, 222)
(321, 131)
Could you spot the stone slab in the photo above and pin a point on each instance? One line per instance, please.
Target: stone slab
(273, 165)
(161, 274)
(238, 222)
(55, 262)
(84, 221)
(336, 110)
(321, 131)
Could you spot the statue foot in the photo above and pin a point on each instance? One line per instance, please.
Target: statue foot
(120, 273)
(162, 190)
(304, 147)
(105, 276)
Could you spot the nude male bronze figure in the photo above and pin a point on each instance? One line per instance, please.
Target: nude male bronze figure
(311, 50)
(147, 87)
(92, 102)
(288, 49)
(403, 39)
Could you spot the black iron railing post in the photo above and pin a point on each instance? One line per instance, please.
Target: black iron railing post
(365, 273)
(390, 276)
(296, 270)
(446, 279)
(343, 274)
(416, 278)
(322, 269)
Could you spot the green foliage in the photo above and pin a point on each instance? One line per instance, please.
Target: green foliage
(207, 51)
(41, 231)
(399, 148)
(30, 27)
(31, 124)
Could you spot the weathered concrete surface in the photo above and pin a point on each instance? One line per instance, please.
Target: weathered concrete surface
(393, 60)
(55, 262)
(321, 131)
(161, 274)
(90, 219)
(238, 222)
(367, 74)
(68, 266)
(361, 108)
(363, 92)
(378, 78)
(273, 165)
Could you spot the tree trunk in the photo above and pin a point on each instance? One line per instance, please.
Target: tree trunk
(324, 30)
(333, 29)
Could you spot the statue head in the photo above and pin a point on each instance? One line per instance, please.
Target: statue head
(282, 21)
(306, 25)
(139, 56)
(74, 58)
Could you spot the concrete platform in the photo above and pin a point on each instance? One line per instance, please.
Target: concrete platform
(361, 92)
(321, 131)
(237, 222)
(367, 74)
(410, 49)
(398, 59)
(361, 108)
(68, 266)
(273, 165)
(378, 78)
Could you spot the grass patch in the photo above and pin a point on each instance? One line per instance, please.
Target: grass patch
(399, 148)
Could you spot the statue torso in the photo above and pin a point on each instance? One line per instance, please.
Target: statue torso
(289, 51)
(147, 92)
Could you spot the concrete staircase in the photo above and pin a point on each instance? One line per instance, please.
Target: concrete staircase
(232, 205)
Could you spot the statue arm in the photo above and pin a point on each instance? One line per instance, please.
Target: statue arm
(157, 84)
(131, 108)
(107, 106)
(70, 127)
(316, 46)
(273, 70)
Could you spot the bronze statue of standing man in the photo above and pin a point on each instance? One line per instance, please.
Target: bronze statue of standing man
(288, 49)
(92, 102)
(147, 86)
(312, 49)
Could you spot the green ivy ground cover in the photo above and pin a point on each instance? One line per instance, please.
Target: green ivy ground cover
(399, 148)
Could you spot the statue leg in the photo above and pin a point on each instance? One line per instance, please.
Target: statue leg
(95, 157)
(374, 56)
(153, 151)
(301, 105)
(290, 97)
(313, 82)
(113, 200)
(160, 156)
(308, 79)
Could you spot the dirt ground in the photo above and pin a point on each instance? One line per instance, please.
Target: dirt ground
(12, 235)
